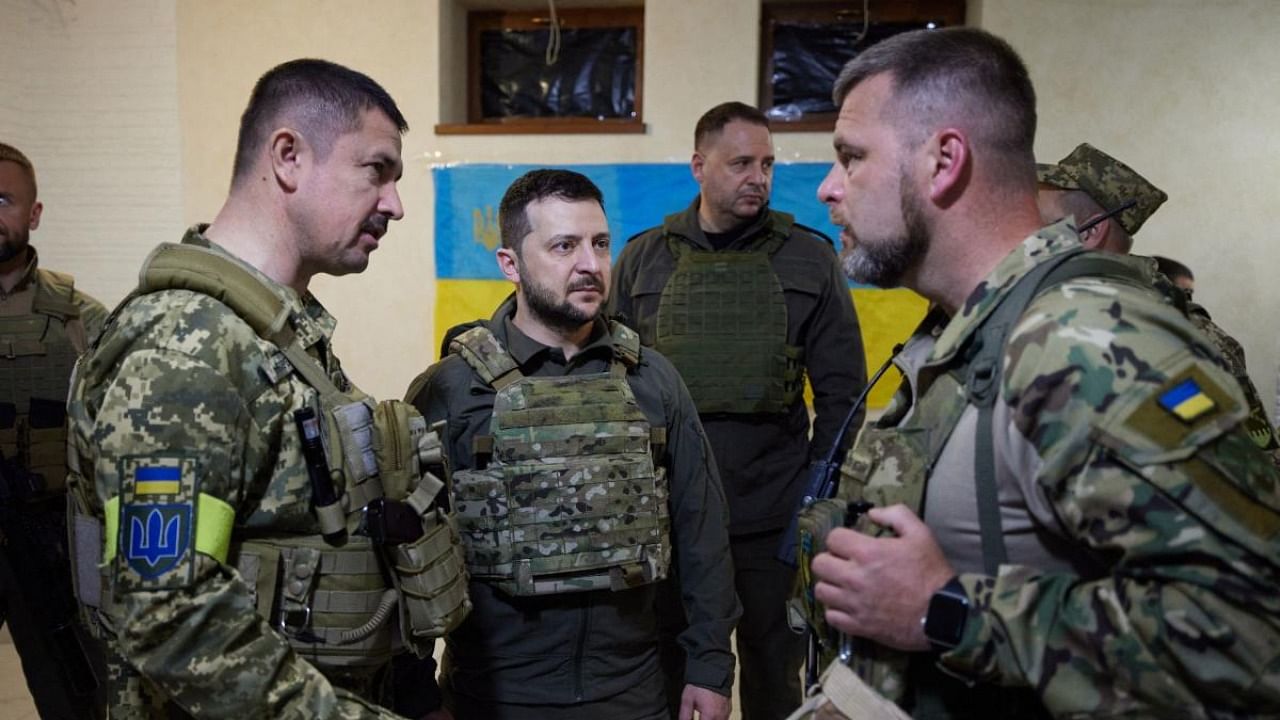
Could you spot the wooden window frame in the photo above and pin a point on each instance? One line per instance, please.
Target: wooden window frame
(950, 12)
(480, 21)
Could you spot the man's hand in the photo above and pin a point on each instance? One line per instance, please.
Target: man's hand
(709, 704)
(879, 588)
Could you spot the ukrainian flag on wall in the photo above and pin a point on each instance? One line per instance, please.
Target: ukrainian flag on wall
(637, 197)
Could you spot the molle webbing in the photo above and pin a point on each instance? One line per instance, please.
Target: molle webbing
(572, 499)
(722, 321)
(38, 351)
(332, 604)
(190, 267)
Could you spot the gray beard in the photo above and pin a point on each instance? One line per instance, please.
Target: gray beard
(884, 264)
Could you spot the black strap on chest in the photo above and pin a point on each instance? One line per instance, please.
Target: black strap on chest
(981, 373)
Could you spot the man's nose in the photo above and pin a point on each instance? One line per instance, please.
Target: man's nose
(389, 202)
(831, 189)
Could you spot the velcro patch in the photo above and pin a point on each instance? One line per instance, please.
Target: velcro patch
(1186, 400)
(156, 523)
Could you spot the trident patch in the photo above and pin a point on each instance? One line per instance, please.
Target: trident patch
(156, 537)
(156, 525)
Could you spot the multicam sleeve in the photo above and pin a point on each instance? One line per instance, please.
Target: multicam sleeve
(171, 433)
(1139, 454)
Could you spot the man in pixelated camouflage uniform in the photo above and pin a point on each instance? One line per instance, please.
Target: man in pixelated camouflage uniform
(581, 473)
(194, 433)
(1070, 517)
(45, 323)
(746, 303)
(1110, 201)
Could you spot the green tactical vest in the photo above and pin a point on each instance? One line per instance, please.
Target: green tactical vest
(334, 603)
(570, 498)
(891, 465)
(722, 321)
(38, 349)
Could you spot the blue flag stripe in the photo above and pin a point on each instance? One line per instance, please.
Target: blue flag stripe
(158, 472)
(1173, 397)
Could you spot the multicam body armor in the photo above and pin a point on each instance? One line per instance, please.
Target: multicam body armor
(722, 321)
(335, 598)
(570, 498)
(39, 342)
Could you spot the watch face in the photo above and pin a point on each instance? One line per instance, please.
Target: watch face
(945, 622)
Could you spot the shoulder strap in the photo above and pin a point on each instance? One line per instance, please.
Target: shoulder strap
(54, 295)
(486, 354)
(190, 267)
(982, 378)
(626, 347)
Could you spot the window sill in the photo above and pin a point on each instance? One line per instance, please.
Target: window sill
(544, 126)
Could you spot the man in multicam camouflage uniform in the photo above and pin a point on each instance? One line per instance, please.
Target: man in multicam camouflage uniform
(1110, 201)
(547, 495)
(188, 421)
(45, 323)
(1069, 523)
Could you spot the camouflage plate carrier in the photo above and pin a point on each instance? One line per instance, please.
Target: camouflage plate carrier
(570, 498)
(38, 349)
(333, 599)
(722, 321)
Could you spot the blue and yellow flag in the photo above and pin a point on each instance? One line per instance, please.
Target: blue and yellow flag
(637, 197)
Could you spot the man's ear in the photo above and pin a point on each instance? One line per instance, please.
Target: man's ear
(288, 150)
(696, 164)
(1095, 238)
(36, 210)
(949, 164)
(509, 264)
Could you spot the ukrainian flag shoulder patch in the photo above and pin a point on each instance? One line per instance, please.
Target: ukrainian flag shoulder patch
(1186, 401)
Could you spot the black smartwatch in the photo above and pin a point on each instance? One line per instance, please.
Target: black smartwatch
(948, 612)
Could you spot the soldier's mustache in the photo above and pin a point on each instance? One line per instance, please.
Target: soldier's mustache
(590, 283)
(375, 225)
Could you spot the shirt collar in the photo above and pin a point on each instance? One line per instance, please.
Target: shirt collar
(1046, 243)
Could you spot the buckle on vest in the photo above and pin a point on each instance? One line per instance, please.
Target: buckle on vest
(296, 624)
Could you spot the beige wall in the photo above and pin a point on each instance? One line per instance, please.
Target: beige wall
(131, 107)
(88, 90)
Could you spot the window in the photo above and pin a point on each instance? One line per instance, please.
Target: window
(527, 74)
(803, 46)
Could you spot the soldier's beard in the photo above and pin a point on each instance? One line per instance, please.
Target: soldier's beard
(557, 313)
(885, 262)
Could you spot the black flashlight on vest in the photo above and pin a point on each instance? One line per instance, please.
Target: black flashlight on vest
(322, 492)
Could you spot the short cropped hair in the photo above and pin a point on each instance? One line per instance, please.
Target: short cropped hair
(713, 121)
(538, 185)
(323, 100)
(962, 76)
(9, 153)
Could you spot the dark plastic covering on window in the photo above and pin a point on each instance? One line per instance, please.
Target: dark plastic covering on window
(594, 75)
(808, 56)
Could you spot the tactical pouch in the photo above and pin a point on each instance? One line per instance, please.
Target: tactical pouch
(812, 527)
(350, 441)
(398, 428)
(332, 604)
(46, 443)
(431, 577)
